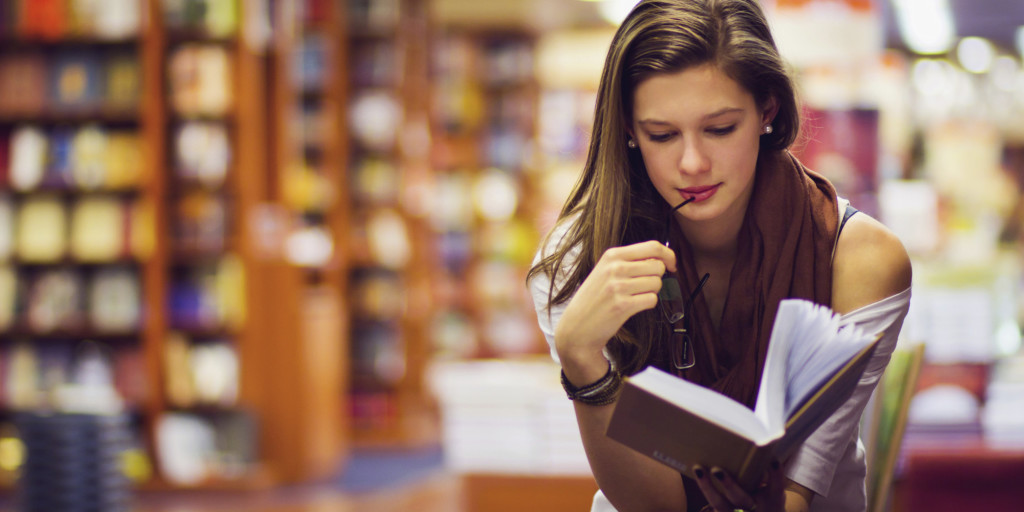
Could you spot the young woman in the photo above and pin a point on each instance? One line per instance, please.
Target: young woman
(695, 107)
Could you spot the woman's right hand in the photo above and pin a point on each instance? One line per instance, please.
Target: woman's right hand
(625, 281)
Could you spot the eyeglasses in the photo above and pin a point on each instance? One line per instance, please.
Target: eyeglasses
(676, 308)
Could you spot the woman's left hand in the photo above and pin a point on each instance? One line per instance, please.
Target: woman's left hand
(725, 495)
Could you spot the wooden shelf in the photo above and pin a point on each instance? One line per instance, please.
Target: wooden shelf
(21, 43)
(259, 478)
(72, 115)
(65, 334)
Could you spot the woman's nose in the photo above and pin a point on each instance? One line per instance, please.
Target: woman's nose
(693, 160)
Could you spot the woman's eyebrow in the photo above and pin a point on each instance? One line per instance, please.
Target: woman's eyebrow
(722, 112)
(712, 115)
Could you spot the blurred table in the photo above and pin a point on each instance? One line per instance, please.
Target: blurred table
(484, 492)
(963, 476)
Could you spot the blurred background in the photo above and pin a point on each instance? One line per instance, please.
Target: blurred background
(270, 254)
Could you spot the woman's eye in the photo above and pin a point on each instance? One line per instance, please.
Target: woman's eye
(659, 137)
(725, 130)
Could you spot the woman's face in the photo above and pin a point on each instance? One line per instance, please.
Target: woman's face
(698, 132)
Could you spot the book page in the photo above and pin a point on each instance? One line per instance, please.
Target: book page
(770, 408)
(806, 348)
(711, 405)
(818, 349)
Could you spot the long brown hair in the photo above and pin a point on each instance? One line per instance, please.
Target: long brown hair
(614, 200)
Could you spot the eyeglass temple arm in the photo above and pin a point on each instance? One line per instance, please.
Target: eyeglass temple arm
(668, 223)
(696, 291)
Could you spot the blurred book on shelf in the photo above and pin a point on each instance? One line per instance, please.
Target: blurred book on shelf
(23, 82)
(51, 20)
(196, 448)
(99, 229)
(211, 18)
(85, 158)
(41, 230)
(94, 81)
(76, 80)
(115, 300)
(202, 153)
(208, 297)
(200, 80)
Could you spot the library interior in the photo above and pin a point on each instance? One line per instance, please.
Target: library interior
(271, 255)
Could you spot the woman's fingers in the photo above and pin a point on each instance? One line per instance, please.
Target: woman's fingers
(715, 498)
(643, 251)
(723, 493)
(625, 281)
(637, 285)
(773, 496)
(732, 491)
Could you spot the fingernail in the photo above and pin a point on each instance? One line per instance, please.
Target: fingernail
(699, 473)
(719, 474)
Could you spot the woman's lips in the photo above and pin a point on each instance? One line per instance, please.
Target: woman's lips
(699, 193)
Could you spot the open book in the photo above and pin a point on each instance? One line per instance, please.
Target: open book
(811, 368)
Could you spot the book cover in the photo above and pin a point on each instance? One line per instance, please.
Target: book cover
(28, 154)
(77, 79)
(23, 82)
(811, 369)
(89, 157)
(97, 229)
(123, 161)
(59, 160)
(115, 299)
(123, 82)
(41, 230)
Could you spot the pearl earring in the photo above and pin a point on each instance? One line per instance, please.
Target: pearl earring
(768, 129)
(631, 143)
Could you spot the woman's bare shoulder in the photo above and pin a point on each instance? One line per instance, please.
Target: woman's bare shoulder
(870, 264)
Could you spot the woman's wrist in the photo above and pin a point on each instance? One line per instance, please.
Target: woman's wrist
(603, 391)
(583, 367)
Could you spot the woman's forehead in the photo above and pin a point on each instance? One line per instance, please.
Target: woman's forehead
(702, 92)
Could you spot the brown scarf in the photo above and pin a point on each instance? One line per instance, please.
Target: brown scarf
(785, 251)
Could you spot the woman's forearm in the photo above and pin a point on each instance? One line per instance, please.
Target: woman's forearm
(631, 481)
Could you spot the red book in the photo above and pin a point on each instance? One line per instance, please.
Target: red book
(23, 83)
(46, 19)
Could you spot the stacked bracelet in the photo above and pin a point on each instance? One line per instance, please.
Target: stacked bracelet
(602, 392)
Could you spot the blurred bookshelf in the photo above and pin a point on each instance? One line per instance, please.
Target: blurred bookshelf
(484, 114)
(138, 202)
(303, 229)
(388, 158)
(79, 200)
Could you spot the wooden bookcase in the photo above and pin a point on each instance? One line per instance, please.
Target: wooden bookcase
(285, 322)
(305, 259)
(484, 123)
(387, 128)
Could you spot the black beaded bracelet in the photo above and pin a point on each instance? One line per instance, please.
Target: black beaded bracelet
(602, 392)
